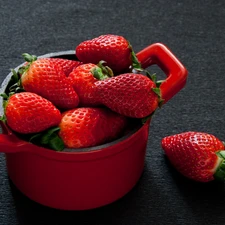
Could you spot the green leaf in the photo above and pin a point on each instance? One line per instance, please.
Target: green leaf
(28, 57)
(46, 137)
(13, 87)
(56, 143)
(19, 89)
(135, 63)
(153, 77)
(23, 69)
(157, 91)
(97, 73)
(161, 101)
(4, 104)
(15, 77)
(4, 96)
(159, 82)
(35, 138)
(3, 118)
(101, 72)
(220, 170)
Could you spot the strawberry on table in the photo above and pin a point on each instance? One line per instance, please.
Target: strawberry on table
(86, 127)
(27, 112)
(47, 79)
(197, 155)
(129, 94)
(113, 49)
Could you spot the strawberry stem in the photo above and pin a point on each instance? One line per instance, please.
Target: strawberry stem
(101, 72)
(220, 171)
(105, 69)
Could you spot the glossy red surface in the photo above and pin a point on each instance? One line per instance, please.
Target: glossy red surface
(90, 179)
(176, 73)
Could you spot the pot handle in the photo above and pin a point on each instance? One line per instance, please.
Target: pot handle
(9, 143)
(176, 73)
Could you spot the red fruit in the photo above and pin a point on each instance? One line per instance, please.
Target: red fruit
(30, 113)
(128, 94)
(82, 80)
(45, 78)
(198, 156)
(113, 49)
(86, 127)
(66, 64)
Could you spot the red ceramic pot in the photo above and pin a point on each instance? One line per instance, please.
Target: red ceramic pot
(91, 177)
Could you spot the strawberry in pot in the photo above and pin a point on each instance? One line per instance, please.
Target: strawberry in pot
(93, 110)
(115, 50)
(47, 78)
(86, 127)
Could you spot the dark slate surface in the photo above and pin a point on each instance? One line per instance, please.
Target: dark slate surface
(194, 31)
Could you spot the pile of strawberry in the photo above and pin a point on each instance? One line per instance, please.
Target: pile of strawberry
(80, 103)
(58, 103)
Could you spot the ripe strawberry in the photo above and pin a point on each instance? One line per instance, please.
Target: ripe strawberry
(113, 49)
(82, 78)
(45, 78)
(30, 113)
(196, 155)
(129, 94)
(86, 127)
(66, 64)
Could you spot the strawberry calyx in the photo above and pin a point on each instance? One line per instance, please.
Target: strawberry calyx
(102, 72)
(29, 59)
(220, 171)
(157, 91)
(14, 84)
(136, 65)
(48, 138)
(5, 98)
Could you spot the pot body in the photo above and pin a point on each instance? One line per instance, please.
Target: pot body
(93, 178)
(85, 181)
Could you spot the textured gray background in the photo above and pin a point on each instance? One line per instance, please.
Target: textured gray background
(195, 32)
